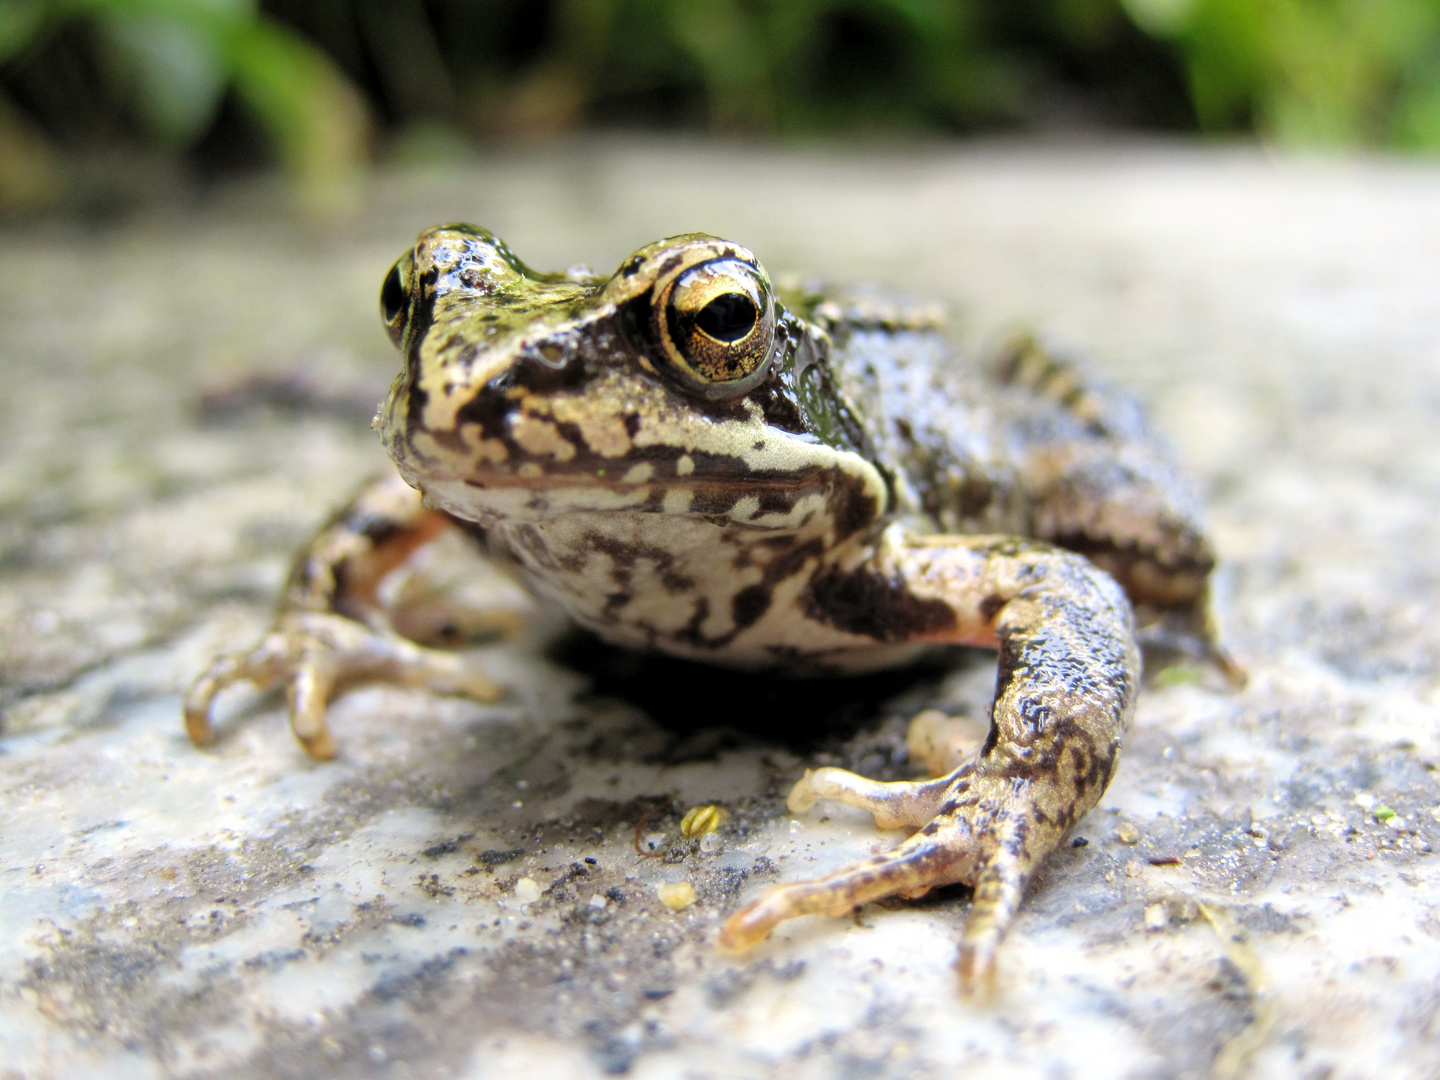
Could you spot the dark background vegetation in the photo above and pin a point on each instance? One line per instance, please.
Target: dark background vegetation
(324, 87)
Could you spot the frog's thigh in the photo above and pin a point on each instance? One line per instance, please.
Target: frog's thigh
(1067, 676)
(332, 629)
(1117, 494)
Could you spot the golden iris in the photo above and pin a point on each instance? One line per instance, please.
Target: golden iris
(716, 325)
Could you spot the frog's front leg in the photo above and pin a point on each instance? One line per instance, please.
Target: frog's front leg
(1068, 673)
(332, 628)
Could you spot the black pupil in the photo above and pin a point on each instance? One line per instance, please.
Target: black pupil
(392, 295)
(728, 317)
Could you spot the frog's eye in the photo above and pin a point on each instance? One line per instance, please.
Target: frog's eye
(395, 298)
(716, 326)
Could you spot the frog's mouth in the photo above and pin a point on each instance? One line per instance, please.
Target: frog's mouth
(684, 486)
(543, 468)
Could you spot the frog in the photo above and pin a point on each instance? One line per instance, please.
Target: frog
(690, 459)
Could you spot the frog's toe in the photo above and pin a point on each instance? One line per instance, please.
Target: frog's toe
(262, 665)
(316, 655)
(927, 859)
(894, 805)
(1229, 668)
(998, 890)
(308, 693)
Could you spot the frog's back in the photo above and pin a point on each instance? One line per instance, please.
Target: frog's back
(1029, 445)
(936, 422)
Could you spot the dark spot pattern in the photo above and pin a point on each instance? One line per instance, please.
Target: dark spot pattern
(749, 604)
(624, 555)
(864, 602)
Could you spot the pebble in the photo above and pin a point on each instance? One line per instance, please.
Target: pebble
(676, 895)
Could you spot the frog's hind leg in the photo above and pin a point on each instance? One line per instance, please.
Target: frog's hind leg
(1066, 687)
(332, 628)
(1102, 482)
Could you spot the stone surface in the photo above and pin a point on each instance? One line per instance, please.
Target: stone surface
(461, 893)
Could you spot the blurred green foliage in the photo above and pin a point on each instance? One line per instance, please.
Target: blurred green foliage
(195, 78)
(170, 62)
(746, 66)
(1309, 72)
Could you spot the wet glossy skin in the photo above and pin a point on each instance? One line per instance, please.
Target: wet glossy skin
(688, 462)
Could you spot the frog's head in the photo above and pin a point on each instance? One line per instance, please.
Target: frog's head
(673, 386)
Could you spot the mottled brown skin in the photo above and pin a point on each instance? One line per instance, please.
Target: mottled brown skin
(687, 462)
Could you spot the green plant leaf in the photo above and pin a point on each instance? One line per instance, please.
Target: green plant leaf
(176, 72)
(20, 23)
(315, 117)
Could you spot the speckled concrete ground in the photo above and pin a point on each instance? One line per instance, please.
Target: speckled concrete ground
(460, 894)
